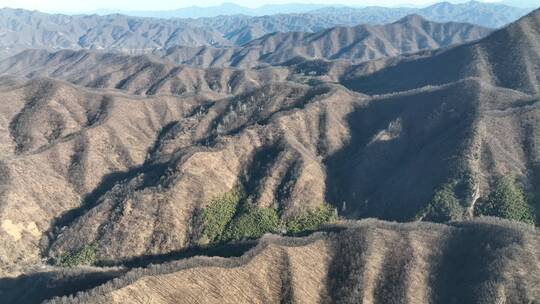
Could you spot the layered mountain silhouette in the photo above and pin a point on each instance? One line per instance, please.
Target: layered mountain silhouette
(357, 44)
(21, 29)
(140, 75)
(317, 16)
(219, 10)
(122, 152)
(518, 44)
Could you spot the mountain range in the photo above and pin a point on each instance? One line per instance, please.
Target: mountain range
(218, 10)
(357, 44)
(448, 11)
(131, 176)
(20, 29)
(522, 3)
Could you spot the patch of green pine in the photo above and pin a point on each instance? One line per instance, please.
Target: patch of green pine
(86, 255)
(507, 201)
(232, 217)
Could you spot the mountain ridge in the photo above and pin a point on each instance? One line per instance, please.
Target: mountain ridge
(117, 170)
(357, 44)
(141, 35)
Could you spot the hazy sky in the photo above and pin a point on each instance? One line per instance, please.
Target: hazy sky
(89, 5)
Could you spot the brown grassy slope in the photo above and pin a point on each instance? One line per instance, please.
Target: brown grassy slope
(286, 143)
(269, 141)
(58, 144)
(150, 75)
(49, 282)
(360, 43)
(498, 125)
(125, 172)
(367, 42)
(482, 261)
(132, 170)
(414, 142)
(140, 75)
(507, 58)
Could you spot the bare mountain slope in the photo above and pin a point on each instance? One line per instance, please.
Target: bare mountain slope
(58, 143)
(121, 154)
(482, 261)
(489, 87)
(366, 42)
(140, 75)
(109, 152)
(358, 44)
(21, 29)
(508, 58)
(493, 15)
(130, 172)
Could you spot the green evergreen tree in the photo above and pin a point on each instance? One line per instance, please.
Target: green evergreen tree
(507, 201)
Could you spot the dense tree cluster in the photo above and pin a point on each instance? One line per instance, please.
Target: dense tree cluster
(233, 217)
(86, 255)
(507, 201)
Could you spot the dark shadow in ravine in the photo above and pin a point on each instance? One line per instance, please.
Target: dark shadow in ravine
(235, 249)
(401, 149)
(38, 287)
(151, 173)
(224, 250)
(471, 264)
(262, 161)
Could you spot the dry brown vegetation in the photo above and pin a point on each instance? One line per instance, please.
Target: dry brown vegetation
(109, 159)
(482, 261)
(24, 29)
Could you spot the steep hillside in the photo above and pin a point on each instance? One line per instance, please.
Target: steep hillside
(481, 261)
(59, 143)
(497, 82)
(110, 152)
(119, 161)
(508, 58)
(129, 174)
(140, 75)
(365, 42)
(357, 44)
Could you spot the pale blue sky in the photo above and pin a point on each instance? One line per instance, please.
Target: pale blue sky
(89, 5)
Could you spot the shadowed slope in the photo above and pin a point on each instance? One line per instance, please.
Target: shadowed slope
(507, 58)
(140, 75)
(358, 44)
(126, 174)
(382, 156)
(59, 142)
(483, 261)
(127, 194)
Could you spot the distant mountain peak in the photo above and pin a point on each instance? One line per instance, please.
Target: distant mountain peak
(412, 19)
